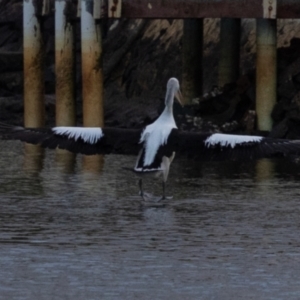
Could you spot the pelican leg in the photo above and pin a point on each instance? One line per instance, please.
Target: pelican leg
(166, 162)
(141, 192)
(145, 196)
(164, 197)
(164, 190)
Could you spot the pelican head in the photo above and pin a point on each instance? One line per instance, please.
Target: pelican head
(173, 87)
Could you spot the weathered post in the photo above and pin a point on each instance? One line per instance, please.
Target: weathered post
(64, 64)
(229, 60)
(34, 107)
(92, 73)
(266, 72)
(192, 45)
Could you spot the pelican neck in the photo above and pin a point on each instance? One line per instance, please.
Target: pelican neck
(169, 100)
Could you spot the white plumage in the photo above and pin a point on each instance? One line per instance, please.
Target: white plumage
(230, 140)
(155, 137)
(89, 135)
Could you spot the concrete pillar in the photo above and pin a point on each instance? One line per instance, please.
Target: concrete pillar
(230, 33)
(92, 72)
(192, 45)
(266, 72)
(64, 65)
(34, 107)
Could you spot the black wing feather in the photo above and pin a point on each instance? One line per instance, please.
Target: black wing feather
(115, 140)
(126, 141)
(193, 145)
(164, 150)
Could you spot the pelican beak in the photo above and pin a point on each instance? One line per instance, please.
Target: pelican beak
(179, 97)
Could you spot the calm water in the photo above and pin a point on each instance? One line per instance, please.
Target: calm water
(77, 229)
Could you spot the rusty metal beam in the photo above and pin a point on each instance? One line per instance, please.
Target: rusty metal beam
(229, 51)
(192, 54)
(64, 65)
(92, 72)
(34, 107)
(209, 9)
(266, 72)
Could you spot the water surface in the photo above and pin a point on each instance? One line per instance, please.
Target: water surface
(72, 228)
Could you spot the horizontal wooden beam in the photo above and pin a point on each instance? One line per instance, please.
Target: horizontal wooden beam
(181, 9)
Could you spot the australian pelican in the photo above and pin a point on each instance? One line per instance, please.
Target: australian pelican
(156, 156)
(156, 145)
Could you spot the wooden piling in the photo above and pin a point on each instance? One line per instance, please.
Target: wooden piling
(230, 33)
(266, 72)
(92, 73)
(64, 64)
(192, 46)
(34, 107)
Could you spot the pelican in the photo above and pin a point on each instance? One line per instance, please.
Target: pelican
(156, 155)
(156, 145)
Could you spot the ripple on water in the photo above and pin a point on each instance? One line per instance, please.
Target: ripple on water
(71, 230)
